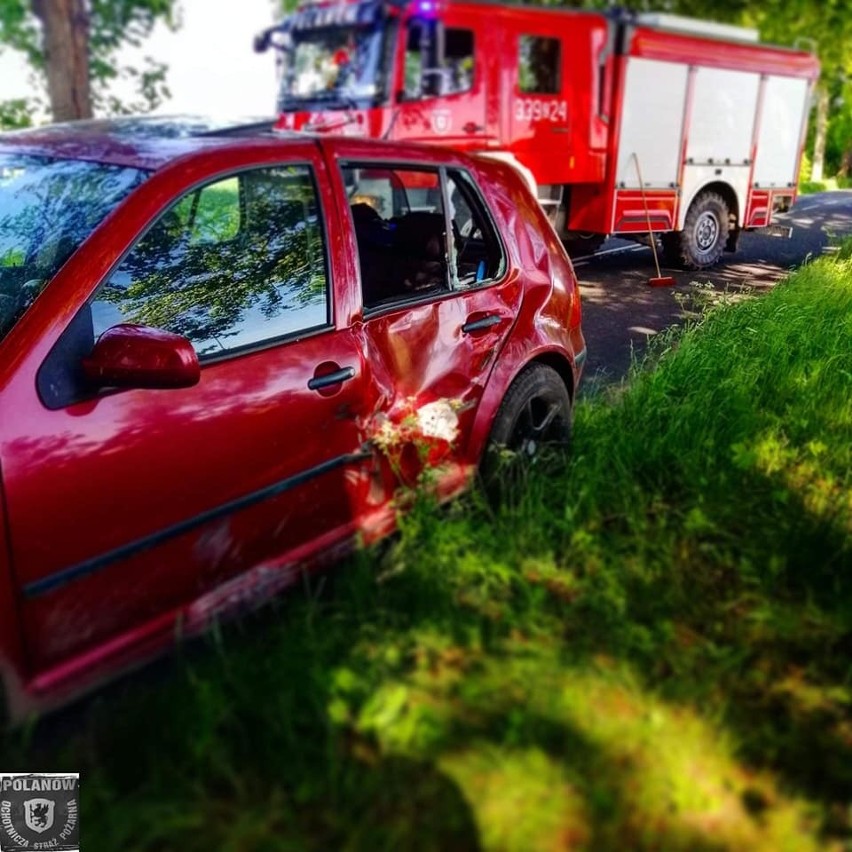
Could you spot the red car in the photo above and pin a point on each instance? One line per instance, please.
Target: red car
(220, 353)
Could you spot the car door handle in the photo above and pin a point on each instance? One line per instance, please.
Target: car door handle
(473, 127)
(329, 379)
(482, 324)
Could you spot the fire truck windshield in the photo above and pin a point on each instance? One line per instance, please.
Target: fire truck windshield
(338, 67)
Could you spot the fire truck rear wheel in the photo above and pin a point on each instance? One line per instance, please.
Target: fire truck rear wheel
(705, 232)
(578, 244)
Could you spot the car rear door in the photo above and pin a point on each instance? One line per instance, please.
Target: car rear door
(437, 312)
(123, 505)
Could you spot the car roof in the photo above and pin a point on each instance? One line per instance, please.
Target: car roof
(147, 142)
(151, 142)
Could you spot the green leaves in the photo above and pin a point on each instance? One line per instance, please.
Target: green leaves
(113, 24)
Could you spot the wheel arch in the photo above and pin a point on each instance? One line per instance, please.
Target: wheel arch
(499, 386)
(560, 364)
(735, 204)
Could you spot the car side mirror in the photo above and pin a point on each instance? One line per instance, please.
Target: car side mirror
(136, 356)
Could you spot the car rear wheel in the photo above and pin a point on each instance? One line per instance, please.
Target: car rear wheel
(535, 418)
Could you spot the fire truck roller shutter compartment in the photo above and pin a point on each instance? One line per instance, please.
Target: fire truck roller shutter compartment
(719, 132)
(785, 106)
(651, 123)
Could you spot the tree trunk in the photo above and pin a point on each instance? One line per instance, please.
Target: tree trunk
(65, 25)
(821, 130)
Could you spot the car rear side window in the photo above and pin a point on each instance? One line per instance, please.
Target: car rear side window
(401, 216)
(401, 228)
(233, 264)
(477, 255)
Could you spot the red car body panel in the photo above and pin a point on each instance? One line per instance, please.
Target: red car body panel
(141, 514)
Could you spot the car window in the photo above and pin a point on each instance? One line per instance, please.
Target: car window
(400, 225)
(48, 207)
(477, 255)
(539, 65)
(233, 264)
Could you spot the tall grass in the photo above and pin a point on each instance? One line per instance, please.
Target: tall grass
(647, 647)
(808, 187)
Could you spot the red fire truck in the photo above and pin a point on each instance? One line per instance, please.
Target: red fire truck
(581, 102)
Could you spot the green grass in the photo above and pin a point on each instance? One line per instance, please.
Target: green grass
(649, 648)
(808, 187)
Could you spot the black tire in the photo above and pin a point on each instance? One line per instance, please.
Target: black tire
(705, 233)
(670, 242)
(536, 416)
(579, 245)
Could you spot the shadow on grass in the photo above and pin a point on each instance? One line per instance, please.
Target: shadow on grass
(459, 702)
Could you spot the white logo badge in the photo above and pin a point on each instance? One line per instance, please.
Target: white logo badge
(38, 814)
(442, 121)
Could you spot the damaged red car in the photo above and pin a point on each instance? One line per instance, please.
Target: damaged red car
(220, 354)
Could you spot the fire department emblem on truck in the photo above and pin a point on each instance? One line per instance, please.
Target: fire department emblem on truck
(39, 812)
(442, 121)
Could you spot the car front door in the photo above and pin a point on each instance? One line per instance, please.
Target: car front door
(125, 505)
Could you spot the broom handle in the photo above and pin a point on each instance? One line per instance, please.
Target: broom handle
(651, 237)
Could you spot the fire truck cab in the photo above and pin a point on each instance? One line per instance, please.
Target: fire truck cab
(581, 102)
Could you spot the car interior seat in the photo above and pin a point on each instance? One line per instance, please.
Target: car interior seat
(421, 249)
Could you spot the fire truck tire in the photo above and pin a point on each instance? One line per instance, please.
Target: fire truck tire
(579, 245)
(536, 415)
(705, 233)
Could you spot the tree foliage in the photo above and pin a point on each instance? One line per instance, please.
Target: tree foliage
(40, 30)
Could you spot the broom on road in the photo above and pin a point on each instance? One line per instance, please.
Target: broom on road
(661, 280)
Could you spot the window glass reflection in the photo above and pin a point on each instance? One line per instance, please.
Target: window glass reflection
(233, 264)
(48, 207)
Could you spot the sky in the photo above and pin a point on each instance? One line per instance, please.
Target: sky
(213, 69)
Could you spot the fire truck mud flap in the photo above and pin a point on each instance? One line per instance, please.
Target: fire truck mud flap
(783, 231)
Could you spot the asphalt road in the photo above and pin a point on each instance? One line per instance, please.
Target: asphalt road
(621, 312)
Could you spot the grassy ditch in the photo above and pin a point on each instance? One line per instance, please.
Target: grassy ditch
(808, 187)
(649, 648)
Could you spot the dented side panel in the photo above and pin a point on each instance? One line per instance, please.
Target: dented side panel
(420, 356)
(548, 325)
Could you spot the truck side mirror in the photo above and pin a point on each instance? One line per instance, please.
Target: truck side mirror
(261, 42)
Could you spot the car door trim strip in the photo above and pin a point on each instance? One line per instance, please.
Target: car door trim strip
(90, 566)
